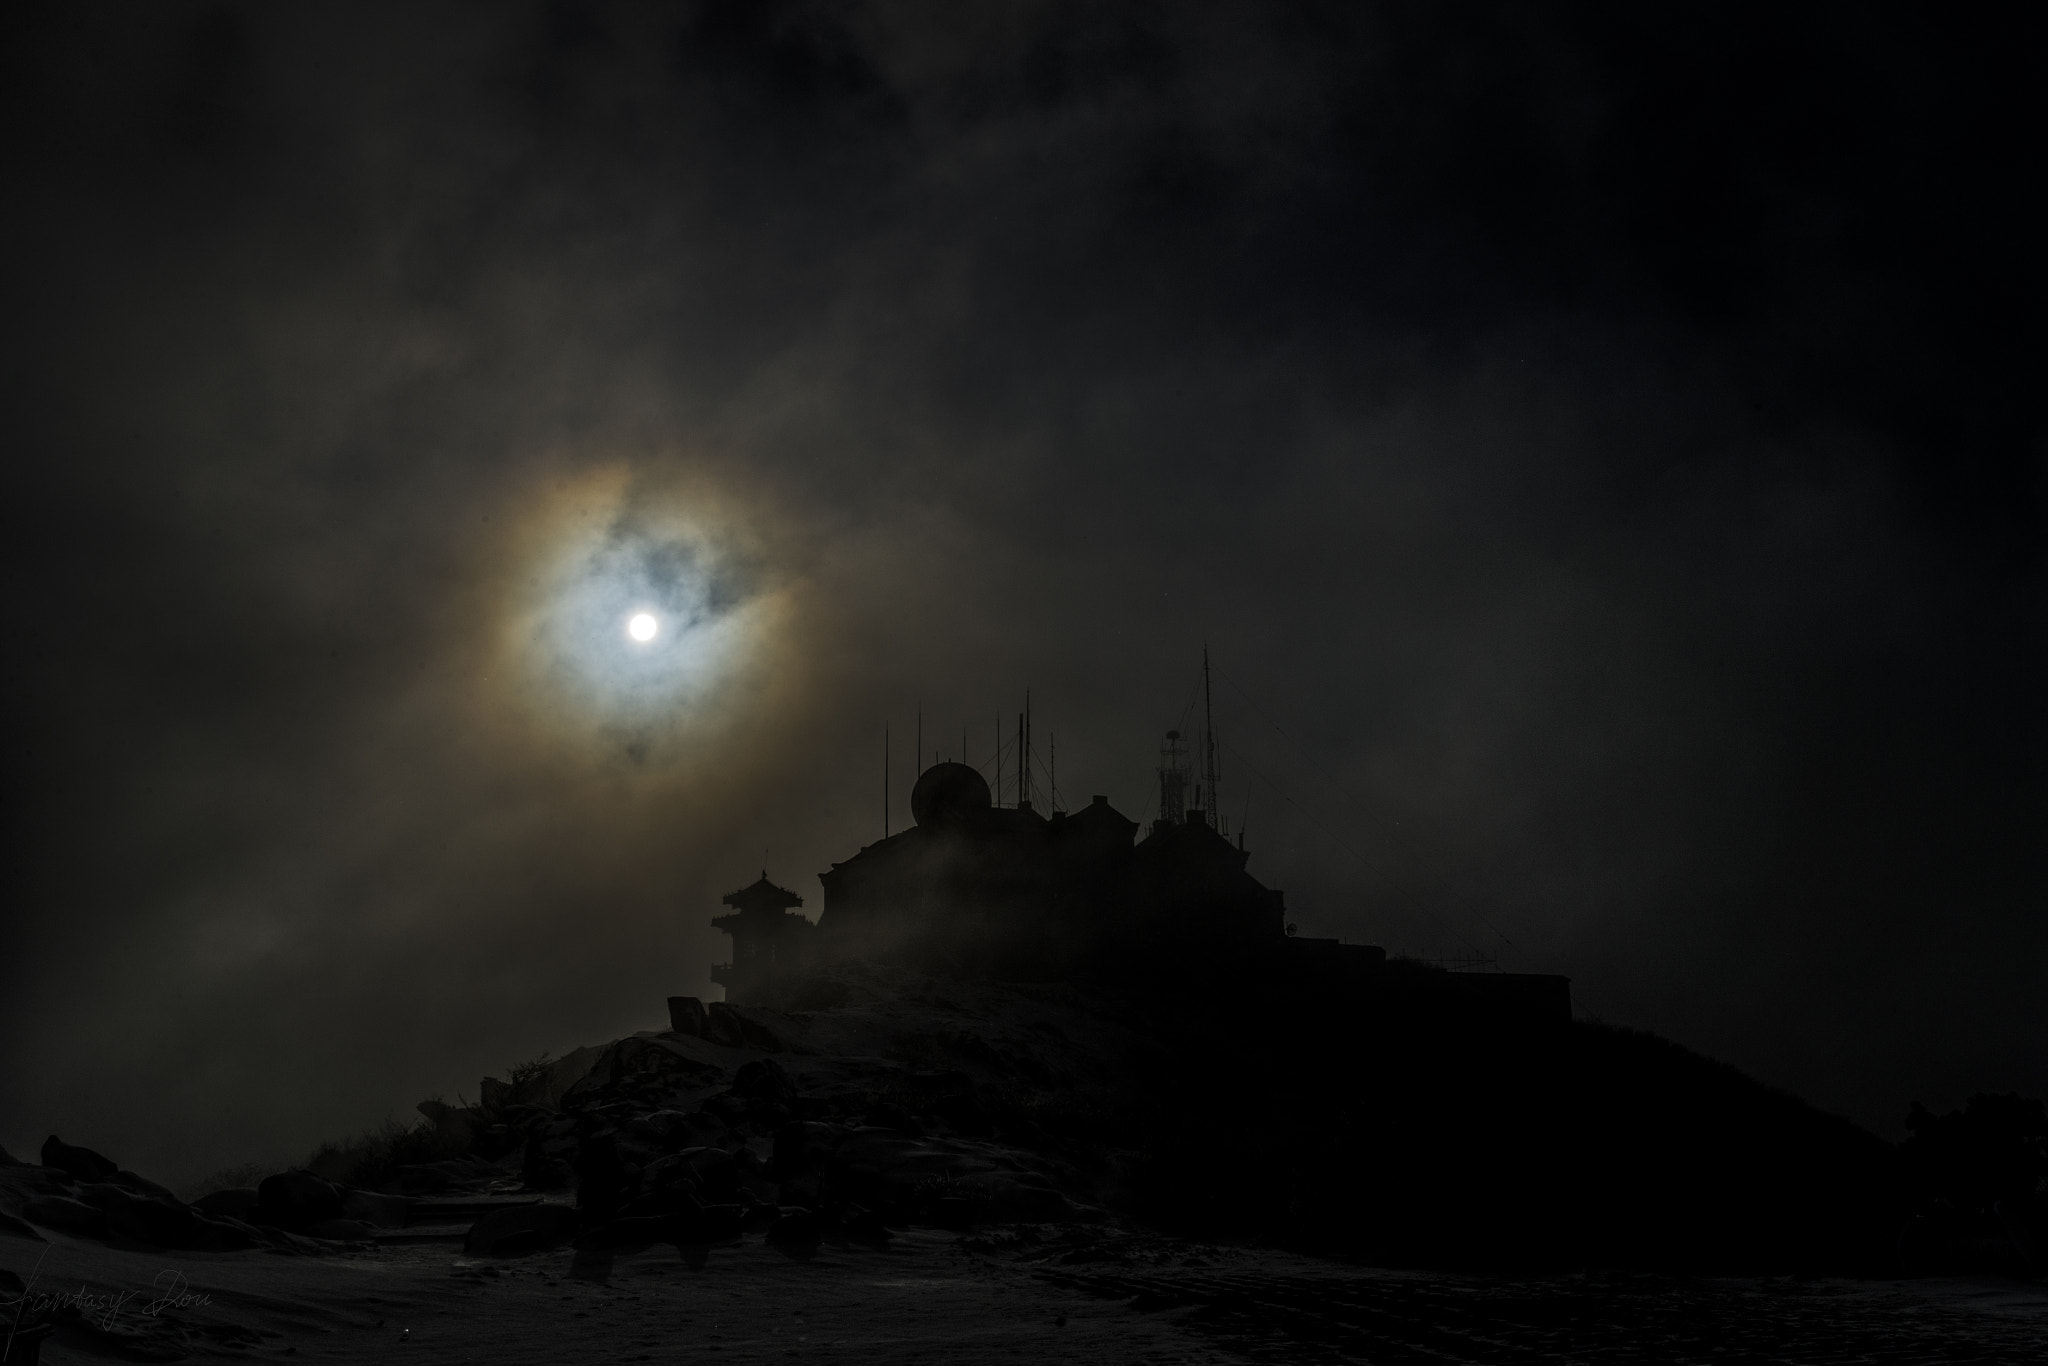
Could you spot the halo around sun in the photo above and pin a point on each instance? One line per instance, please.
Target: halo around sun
(638, 615)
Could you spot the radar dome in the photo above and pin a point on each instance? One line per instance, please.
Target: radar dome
(946, 792)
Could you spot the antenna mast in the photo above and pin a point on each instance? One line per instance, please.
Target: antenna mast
(1211, 775)
(1027, 747)
(1173, 780)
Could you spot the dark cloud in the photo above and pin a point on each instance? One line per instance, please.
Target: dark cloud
(1601, 445)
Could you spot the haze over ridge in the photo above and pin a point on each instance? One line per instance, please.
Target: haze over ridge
(1606, 443)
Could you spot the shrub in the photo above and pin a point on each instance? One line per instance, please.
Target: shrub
(375, 1156)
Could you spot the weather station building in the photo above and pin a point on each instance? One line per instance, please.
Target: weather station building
(979, 889)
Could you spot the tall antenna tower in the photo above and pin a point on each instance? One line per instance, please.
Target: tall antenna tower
(1212, 775)
(1173, 780)
(1027, 781)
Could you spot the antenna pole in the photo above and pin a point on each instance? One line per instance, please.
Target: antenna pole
(1022, 763)
(1052, 766)
(917, 755)
(999, 756)
(885, 780)
(1210, 775)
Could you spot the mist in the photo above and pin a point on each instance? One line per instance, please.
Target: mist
(1600, 451)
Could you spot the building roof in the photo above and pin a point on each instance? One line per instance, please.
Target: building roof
(763, 895)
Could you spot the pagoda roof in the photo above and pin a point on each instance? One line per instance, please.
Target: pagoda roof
(762, 895)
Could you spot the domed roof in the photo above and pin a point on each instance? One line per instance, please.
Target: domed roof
(946, 792)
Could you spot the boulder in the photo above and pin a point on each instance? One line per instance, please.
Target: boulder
(754, 1034)
(722, 1109)
(629, 1233)
(140, 1219)
(493, 1095)
(716, 1224)
(82, 1163)
(757, 1212)
(600, 1176)
(665, 1203)
(129, 1181)
(866, 1158)
(237, 1202)
(716, 1171)
(686, 1015)
(19, 1183)
(375, 1209)
(562, 1074)
(709, 1129)
(802, 1146)
(340, 1230)
(763, 1081)
(520, 1229)
(807, 1190)
(673, 1170)
(66, 1216)
(755, 1180)
(797, 1232)
(726, 1024)
(14, 1227)
(540, 1171)
(8, 1159)
(637, 1066)
(222, 1235)
(722, 1025)
(457, 1127)
(292, 1200)
(662, 1128)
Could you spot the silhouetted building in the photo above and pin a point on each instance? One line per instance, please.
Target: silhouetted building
(982, 890)
(769, 939)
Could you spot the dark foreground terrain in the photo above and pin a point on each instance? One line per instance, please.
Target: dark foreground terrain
(906, 1168)
(1015, 1293)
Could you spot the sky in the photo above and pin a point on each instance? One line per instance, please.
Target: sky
(1599, 445)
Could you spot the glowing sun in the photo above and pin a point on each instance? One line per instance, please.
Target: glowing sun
(642, 626)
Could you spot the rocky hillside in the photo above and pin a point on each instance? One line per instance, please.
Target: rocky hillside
(883, 1099)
